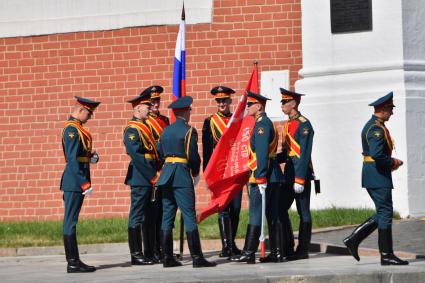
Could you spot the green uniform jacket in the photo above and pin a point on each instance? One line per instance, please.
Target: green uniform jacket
(179, 140)
(377, 144)
(142, 168)
(297, 144)
(76, 176)
(263, 135)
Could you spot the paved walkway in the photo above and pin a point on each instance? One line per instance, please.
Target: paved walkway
(408, 237)
(320, 268)
(112, 260)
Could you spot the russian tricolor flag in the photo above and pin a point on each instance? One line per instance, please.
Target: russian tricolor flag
(179, 77)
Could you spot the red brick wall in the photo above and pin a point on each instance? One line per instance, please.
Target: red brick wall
(40, 75)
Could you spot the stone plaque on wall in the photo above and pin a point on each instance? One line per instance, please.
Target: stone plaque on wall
(351, 15)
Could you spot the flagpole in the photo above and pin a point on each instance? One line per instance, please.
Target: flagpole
(179, 89)
(179, 69)
(263, 214)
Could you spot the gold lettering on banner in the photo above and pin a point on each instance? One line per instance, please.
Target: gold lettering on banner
(238, 149)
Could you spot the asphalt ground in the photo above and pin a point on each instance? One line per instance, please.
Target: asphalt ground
(408, 237)
(116, 267)
(327, 264)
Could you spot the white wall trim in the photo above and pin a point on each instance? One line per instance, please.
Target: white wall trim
(39, 17)
(410, 65)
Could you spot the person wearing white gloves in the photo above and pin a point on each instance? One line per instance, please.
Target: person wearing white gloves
(297, 143)
(265, 177)
(75, 183)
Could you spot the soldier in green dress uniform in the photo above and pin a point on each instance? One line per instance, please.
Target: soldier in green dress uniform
(151, 225)
(212, 130)
(265, 178)
(178, 147)
(297, 144)
(378, 165)
(76, 183)
(142, 173)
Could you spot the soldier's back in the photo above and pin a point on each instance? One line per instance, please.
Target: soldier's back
(175, 171)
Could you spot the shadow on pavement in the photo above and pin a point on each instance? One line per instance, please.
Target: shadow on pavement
(106, 266)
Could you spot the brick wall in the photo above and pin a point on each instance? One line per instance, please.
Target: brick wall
(40, 75)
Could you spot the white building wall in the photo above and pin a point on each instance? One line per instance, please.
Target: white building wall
(37, 17)
(414, 75)
(343, 73)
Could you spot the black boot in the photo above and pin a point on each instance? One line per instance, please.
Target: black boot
(289, 236)
(135, 245)
(386, 248)
(273, 256)
(252, 240)
(148, 241)
(156, 237)
(226, 236)
(359, 234)
(304, 238)
(168, 259)
(157, 249)
(194, 244)
(234, 219)
(281, 242)
(75, 265)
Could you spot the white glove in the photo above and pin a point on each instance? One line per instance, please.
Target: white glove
(88, 192)
(196, 180)
(262, 188)
(298, 188)
(94, 158)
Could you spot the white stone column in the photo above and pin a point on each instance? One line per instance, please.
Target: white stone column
(342, 74)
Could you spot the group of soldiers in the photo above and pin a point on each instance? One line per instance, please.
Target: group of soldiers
(165, 166)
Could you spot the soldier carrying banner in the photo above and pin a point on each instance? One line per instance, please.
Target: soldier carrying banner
(265, 178)
(212, 130)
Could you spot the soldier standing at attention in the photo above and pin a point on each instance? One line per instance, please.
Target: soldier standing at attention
(212, 130)
(75, 183)
(151, 225)
(297, 142)
(178, 147)
(265, 177)
(142, 173)
(377, 179)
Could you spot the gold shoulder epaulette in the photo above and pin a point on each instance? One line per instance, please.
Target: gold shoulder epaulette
(302, 119)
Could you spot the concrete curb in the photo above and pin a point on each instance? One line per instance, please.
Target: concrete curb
(207, 245)
(342, 250)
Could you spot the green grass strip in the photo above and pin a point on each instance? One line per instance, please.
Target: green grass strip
(114, 230)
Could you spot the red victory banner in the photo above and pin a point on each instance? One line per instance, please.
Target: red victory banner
(227, 171)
